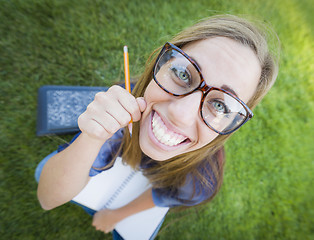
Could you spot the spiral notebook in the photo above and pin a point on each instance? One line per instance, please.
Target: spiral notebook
(117, 187)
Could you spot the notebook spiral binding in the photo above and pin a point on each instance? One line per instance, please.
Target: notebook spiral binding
(120, 189)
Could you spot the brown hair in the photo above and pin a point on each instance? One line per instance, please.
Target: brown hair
(172, 173)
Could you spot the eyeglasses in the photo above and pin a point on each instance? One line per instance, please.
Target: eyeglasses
(179, 75)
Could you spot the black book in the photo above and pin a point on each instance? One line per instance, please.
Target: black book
(60, 106)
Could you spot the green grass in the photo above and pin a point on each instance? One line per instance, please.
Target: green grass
(267, 191)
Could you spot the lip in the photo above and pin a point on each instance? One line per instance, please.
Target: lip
(171, 128)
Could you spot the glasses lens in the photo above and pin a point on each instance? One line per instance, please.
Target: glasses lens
(223, 112)
(175, 73)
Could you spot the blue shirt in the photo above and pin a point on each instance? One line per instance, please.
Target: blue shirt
(162, 197)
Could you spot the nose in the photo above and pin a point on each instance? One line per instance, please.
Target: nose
(184, 111)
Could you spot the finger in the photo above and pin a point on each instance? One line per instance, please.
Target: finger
(117, 113)
(118, 103)
(108, 124)
(141, 103)
(96, 121)
(109, 229)
(93, 128)
(131, 106)
(128, 101)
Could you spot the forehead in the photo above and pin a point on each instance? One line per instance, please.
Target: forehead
(225, 62)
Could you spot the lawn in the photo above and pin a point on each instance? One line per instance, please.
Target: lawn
(269, 171)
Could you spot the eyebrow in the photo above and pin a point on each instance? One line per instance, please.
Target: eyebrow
(229, 89)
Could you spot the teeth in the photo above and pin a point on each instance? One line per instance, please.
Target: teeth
(163, 134)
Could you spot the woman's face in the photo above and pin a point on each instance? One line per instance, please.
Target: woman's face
(173, 125)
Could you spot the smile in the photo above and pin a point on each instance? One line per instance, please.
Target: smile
(163, 134)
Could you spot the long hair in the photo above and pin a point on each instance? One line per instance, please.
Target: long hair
(172, 173)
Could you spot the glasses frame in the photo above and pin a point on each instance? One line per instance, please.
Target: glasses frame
(203, 87)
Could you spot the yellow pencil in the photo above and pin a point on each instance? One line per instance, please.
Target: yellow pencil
(126, 69)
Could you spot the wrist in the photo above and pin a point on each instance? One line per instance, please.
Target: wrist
(91, 141)
(120, 214)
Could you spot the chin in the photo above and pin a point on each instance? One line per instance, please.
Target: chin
(154, 155)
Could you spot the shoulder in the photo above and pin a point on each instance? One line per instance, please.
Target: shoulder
(202, 184)
(198, 187)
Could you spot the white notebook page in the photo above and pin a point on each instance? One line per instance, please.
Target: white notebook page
(115, 188)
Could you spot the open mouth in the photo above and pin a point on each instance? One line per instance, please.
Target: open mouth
(164, 135)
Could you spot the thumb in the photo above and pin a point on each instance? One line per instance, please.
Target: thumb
(141, 103)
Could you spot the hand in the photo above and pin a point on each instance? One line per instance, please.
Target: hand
(109, 112)
(105, 220)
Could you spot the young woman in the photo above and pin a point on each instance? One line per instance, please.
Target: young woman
(193, 95)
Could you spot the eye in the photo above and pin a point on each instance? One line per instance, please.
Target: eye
(181, 74)
(219, 107)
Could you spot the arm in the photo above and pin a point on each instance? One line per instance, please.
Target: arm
(67, 173)
(105, 220)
